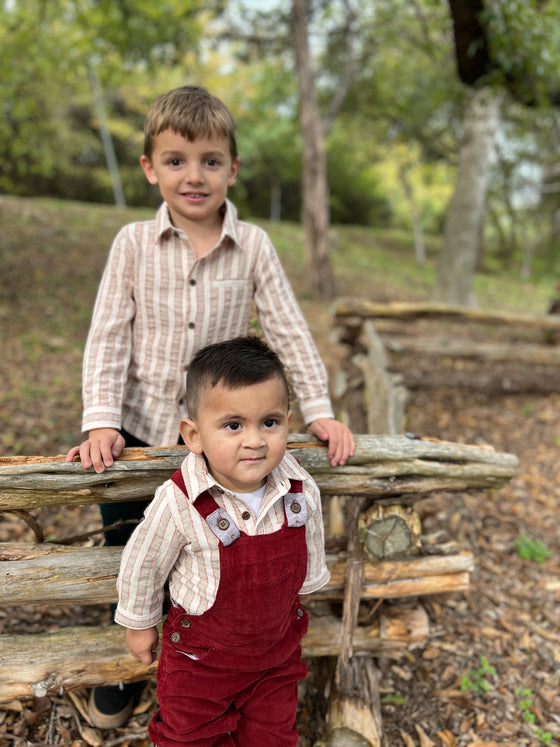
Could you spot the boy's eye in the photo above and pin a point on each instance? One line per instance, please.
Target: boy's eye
(211, 162)
(174, 162)
(233, 426)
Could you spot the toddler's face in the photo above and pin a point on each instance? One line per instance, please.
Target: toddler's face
(242, 432)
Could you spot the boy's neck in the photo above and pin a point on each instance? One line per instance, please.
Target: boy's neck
(203, 235)
(203, 239)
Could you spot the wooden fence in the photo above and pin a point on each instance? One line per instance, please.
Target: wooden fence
(374, 552)
(392, 348)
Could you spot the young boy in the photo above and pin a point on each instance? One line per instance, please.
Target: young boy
(238, 532)
(173, 285)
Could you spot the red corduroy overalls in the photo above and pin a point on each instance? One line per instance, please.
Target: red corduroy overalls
(241, 689)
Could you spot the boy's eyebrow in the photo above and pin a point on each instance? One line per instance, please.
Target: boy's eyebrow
(238, 416)
(207, 154)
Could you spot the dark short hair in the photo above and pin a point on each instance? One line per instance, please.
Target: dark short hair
(194, 113)
(235, 363)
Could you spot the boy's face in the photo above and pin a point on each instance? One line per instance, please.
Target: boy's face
(193, 177)
(242, 432)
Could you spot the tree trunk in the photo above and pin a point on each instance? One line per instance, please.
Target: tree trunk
(315, 190)
(457, 262)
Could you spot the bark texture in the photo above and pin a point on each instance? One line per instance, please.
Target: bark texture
(459, 255)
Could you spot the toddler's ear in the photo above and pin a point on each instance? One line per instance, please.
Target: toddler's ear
(189, 431)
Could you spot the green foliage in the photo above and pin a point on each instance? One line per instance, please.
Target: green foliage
(526, 706)
(476, 680)
(532, 549)
(402, 116)
(49, 135)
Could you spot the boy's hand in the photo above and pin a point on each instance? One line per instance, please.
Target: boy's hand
(142, 644)
(100, 450)
(339, 436)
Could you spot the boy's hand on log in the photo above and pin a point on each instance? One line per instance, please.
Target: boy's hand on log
(100, 450)
(339, 436)
(142, 644)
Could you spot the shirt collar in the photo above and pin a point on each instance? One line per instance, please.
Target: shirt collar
(198, 478)
(165, 228)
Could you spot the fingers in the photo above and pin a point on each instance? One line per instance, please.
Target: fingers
(341, 440)
(100, 450)
(142, 644)
(74, 451)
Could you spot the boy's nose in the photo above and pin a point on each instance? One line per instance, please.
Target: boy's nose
(254, 437)
(193, 173)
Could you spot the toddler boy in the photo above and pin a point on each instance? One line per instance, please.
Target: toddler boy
(238, 533)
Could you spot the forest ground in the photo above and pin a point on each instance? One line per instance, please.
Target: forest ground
(503, 635)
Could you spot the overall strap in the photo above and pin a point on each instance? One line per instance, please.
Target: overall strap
(295, 506)
(217, 518)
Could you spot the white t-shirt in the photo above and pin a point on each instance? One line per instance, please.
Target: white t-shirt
(253, 500)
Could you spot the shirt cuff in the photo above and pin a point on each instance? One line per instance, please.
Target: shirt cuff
(315, 584)
(97, 418)
(129, 620)
(315, 409)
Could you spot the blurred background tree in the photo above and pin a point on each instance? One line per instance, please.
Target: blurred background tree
(392, 151)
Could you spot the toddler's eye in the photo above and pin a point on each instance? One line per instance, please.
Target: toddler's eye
(233, 426)
(270, 423)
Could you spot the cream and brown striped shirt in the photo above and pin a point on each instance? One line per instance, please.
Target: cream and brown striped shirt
(158, 304)
(174, 541)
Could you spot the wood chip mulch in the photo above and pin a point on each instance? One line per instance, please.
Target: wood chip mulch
(490, 673)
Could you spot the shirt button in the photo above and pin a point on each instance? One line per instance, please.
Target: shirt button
(296, 507)
(299, 612)
(245, 516)
(223, 524)
(175, 637)
(191, 325)
(185, 624)
(192, 281)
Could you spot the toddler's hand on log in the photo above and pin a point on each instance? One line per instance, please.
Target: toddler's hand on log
(339, 436)
(142, 644)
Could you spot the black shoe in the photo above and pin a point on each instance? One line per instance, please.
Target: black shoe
(110, 706)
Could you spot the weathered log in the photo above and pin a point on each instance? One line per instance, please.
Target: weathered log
(354, 712)
(354, 717)
(531, 355)
(347, 307)
(55, 574)
(389, 532)
(514, 380)
(384, 395)
(69, 658)
(383, 467)
(353, 582)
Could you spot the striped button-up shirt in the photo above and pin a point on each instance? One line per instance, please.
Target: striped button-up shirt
(174, 542)
(158, 304)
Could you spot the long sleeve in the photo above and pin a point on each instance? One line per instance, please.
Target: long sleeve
(109, 344)
(146, 563)
(288, 334)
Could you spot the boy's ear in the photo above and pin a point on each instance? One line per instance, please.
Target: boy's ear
(289, 416)
(189, 431)
(233, 172)
(148, 169)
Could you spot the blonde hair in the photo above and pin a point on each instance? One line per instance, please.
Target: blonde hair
(194, 113)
